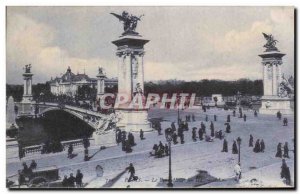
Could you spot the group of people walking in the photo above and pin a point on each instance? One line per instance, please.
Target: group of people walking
(160, 150)
(259, 145)
(285, 151)
(72, 181)
(127, 141)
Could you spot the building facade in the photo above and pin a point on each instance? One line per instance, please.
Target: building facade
(69, 83)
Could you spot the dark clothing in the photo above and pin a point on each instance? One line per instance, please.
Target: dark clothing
(131, 170)
(78, 179)
(71, 181)
(200, 132)
(212, 129)
(225, 146)
(234, 148)
(279, 151)
(262, 146)
(245, 117)
(65, 182)
(194, 136)
(228, 118)
(70, 150)
(257, 147)
(228, 128)
(215, 117)
(141, 134)
(33, 165)
(251, 141)
(286, 151)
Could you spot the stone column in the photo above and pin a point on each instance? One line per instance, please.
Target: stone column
(274, 80)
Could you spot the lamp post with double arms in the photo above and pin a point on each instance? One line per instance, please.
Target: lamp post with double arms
(169, 138)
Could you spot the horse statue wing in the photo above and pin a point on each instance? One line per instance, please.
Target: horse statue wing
(121, 18)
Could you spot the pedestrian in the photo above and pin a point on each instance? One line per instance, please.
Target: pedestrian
(194, 136)
(262, 146)
(215, 117)
(33, 165)
(279, 151)
(228, 118)
(200, 132)
(203, 127)
(255, 113)
(233, 113)
(131, 170)
(256, 148)
(251, 141)
(286, 150)
(78, 179)
(285, 172)
(70, 150)
(71, 180)
(285, 122)
(279, 115)
(142, 134)
(64, 182)
(228, 128)
(175, 138)
(225, 146)
(238, 172)
(173, 126)
(234, 148)
(245, 117)
(21, 178)
(212, 129)
(206, 118)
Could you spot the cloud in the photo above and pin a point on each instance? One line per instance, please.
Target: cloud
(187, 43)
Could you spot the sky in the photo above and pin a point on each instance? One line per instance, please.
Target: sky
(186, 43)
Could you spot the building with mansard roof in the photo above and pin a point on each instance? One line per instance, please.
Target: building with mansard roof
(69, 83)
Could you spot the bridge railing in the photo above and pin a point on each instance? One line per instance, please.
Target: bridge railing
(37, 149)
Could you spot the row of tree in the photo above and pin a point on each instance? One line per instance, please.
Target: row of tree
(201, 88)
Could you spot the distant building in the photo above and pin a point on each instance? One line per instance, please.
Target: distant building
(69, 83)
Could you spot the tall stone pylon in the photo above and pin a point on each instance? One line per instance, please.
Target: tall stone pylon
(276, 97)
(100, 83)
(130, 53)
(27, 91)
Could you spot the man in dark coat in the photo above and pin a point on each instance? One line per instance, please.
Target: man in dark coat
(255, 113)
(228, 118)
(206, 118)
(215, 117)
(233, 113)
(245, 117)
(203, 127)
(33, 165)
(257, 148)
(279, 151)
(286, 150)
(279, 115)
(228, 128)
(262, 146)
(142, 134)
(70, 151)
(200, 132)
(212, 129)
(173, 127)
(131, 170)
(285, 122)
(234, 148)
(285, 172)
(64, 182)
(194, 136)
(251, 141)
(78, 178)
(71, 180)
(175, 138)
(225, 146)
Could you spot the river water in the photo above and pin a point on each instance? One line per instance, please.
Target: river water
(54, 125)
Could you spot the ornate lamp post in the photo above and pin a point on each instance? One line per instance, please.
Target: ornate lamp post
(239, 140)
(169, 137)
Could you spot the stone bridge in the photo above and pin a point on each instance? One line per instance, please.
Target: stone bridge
(100, 122)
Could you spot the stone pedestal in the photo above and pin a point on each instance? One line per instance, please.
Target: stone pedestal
(130, 52)
(105, 138)
(273, 100)
(133, 120)
(100, 83)
(273, 104)
(27, 90)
